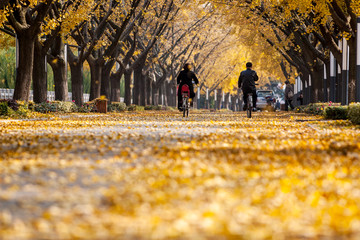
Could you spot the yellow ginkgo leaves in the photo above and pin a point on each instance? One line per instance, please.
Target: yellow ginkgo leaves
(156, 176)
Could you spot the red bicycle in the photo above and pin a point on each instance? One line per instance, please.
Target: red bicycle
(185, 93)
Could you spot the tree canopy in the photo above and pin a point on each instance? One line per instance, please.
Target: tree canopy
(146, 42)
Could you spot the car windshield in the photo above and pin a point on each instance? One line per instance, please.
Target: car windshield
(264, 93)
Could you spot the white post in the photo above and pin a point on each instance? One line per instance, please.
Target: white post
(230, 103)
(215, 99)
(332, 77)
(198, 98)
(325, 84)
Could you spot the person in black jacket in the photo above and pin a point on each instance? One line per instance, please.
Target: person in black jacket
(187, 77)
(289, 95)
(246, 82)
(301, 98)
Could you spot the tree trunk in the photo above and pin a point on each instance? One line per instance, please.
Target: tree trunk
(352, 70)
(148, 91)
(115, 87)
(317, 84)
(155, 94)
(25, 68)
(39, 74)
(227, 100)
(127, 76)
(142, 89)
(60, 80)
(168, 93)
(95, 70)
(137, 85)
(105, 79)
(57, 61)
(327, 83)
(305, 82)
(160, 96)
(338, 85)
(77, 82)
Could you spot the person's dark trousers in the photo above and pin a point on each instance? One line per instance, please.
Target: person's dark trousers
(288, 103)
(301, 100)
(192, 94)
(254, 96)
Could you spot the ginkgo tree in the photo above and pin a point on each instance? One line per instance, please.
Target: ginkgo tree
(36, 25)
(303, 32)
(25, 18)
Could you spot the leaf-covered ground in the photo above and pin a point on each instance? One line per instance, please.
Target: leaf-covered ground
(158, 176)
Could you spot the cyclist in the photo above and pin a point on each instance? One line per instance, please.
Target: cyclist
(187, 77)
(246, 82)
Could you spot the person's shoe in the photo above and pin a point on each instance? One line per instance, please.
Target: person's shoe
(245, 107)
(254, 109)
(180, 109)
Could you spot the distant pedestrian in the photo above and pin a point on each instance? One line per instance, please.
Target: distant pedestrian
(301, 98)
(289, 96)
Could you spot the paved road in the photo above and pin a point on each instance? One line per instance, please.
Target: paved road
(159, 176)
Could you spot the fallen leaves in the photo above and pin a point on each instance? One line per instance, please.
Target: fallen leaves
(156, 175)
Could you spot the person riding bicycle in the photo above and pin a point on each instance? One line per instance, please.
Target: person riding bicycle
(187, 77)
(246, 82)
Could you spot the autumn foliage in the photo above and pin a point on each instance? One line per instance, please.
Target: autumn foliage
(156, 176)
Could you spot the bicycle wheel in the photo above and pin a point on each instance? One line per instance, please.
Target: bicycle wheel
(185, 106)
(249, 112)
(249, 108)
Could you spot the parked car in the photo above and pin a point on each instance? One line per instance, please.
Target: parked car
(265, 99)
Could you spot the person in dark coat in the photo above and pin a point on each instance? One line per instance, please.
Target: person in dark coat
(289, 95)
(187, 77)
(246, 82)
(301, 98)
